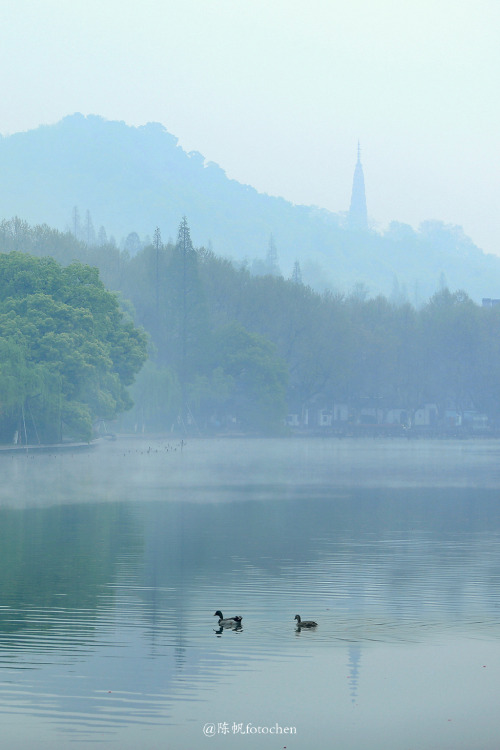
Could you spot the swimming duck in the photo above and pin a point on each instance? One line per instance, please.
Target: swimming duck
(305, 623)
(229, 622)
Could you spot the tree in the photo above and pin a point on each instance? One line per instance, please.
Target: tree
(187, 315)
(157, 246)
(76, 226)
(156, 395)
(69, 351)
(450, 345)
(269, 266)
(258, 378)
(102, 237)
(297, 273)
(133, 243)
(272, 258)
(88, 230)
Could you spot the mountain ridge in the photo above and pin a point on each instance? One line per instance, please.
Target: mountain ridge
(132, 179)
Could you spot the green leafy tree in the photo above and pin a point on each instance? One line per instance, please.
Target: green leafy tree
(209, 396)
(450, 349)
(69, 351)
(258, 375)
(157, 400)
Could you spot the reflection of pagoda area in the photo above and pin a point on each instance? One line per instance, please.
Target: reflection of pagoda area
(353, 664)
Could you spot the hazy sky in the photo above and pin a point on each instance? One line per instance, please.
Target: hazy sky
(278, 93)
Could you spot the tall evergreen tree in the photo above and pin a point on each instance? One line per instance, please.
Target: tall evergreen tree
(187, 312)
(76, 226)
(157, 246)
(272, 258)
(88, 230)
(297, 273)
(102, 237)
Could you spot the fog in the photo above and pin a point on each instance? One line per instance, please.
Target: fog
(278, 96)
(226, 470)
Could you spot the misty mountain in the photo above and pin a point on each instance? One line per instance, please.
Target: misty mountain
(133, 179)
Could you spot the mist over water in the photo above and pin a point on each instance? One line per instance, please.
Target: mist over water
(228, 469)
(115, 560)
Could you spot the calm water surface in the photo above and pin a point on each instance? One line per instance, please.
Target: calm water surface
(114, 560)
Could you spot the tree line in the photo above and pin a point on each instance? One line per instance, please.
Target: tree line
(231, 350)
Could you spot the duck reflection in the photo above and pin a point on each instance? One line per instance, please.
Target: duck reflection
(235, 629)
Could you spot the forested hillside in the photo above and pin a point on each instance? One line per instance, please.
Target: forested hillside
(232, 351)
(103, 179)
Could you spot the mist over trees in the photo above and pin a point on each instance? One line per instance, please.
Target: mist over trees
(234, 351)
(64, 174)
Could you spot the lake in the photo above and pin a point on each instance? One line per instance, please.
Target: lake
(114, 560)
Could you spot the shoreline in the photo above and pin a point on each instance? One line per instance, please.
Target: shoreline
(43, 448)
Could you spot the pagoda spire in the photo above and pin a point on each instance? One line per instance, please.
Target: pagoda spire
(358, 217)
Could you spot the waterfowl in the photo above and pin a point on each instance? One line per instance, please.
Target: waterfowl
(229, 622)
(305, 623)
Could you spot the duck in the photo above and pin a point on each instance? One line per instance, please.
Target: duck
(229, 622)
(305, 623)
